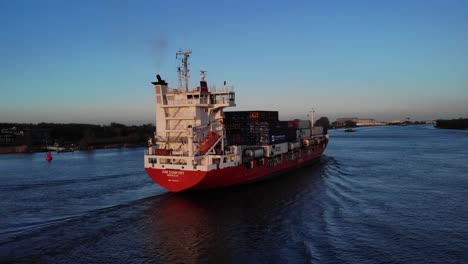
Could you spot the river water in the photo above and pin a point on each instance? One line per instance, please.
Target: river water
(379, 195)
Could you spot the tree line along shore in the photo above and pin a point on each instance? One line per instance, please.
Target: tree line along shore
(27, 138)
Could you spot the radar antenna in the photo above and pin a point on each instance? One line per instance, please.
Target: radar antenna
(311, 116)
(202, 76)
(183, 70)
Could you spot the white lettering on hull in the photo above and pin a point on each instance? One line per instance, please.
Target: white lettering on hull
(170, 173)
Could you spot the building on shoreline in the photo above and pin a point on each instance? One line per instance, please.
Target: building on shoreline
(11, 135)
(356, 122)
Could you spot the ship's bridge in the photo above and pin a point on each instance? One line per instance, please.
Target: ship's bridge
(215, 97)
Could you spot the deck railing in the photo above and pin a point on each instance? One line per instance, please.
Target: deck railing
(213, 89)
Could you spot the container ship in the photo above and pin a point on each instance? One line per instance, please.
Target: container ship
(197, 145)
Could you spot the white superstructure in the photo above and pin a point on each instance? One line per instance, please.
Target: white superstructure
(189, 124)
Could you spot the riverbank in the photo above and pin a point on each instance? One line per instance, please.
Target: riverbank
(24, 149)
(14, 149)
(31, 138)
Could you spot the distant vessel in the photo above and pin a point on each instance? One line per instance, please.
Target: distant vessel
(349, 130)
(199, 146)
(57, 148)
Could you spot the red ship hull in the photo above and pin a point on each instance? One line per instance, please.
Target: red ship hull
(180, 180)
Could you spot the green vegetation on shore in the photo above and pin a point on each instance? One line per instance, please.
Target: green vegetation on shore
(461, 123)
(35, 137)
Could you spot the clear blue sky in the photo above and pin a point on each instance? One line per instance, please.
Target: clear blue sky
(93, 61)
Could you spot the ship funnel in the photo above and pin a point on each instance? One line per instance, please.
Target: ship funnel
(160, 81)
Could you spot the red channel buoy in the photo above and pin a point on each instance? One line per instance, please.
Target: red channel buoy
(49, 156)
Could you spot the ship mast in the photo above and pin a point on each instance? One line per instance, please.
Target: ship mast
(183, 70)
(311, 117)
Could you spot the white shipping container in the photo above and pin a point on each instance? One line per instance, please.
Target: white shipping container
(294, 145)
(318, 131)
(303, 124)
(303, 133)
(276, 149)
(257, 153)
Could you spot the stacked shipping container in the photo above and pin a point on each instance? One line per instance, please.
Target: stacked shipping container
(262, 128)
(254, 128)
